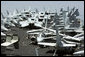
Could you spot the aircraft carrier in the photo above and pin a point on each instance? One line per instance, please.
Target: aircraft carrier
(27, 33)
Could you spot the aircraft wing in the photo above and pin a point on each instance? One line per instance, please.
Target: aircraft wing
(79, 52)
(67, 45)
(72, 38)
(2, 34)
(8, 43)
(70, 42)
(34, 30)
(52, 37)
(47, 44)
(78, 35)
(54, 44)
(35, 33)
(3, 28)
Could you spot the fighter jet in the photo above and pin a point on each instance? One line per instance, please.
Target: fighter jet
(7, 21)
(10, 40)
(72, 39)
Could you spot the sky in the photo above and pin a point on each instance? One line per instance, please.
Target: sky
(40, 5)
